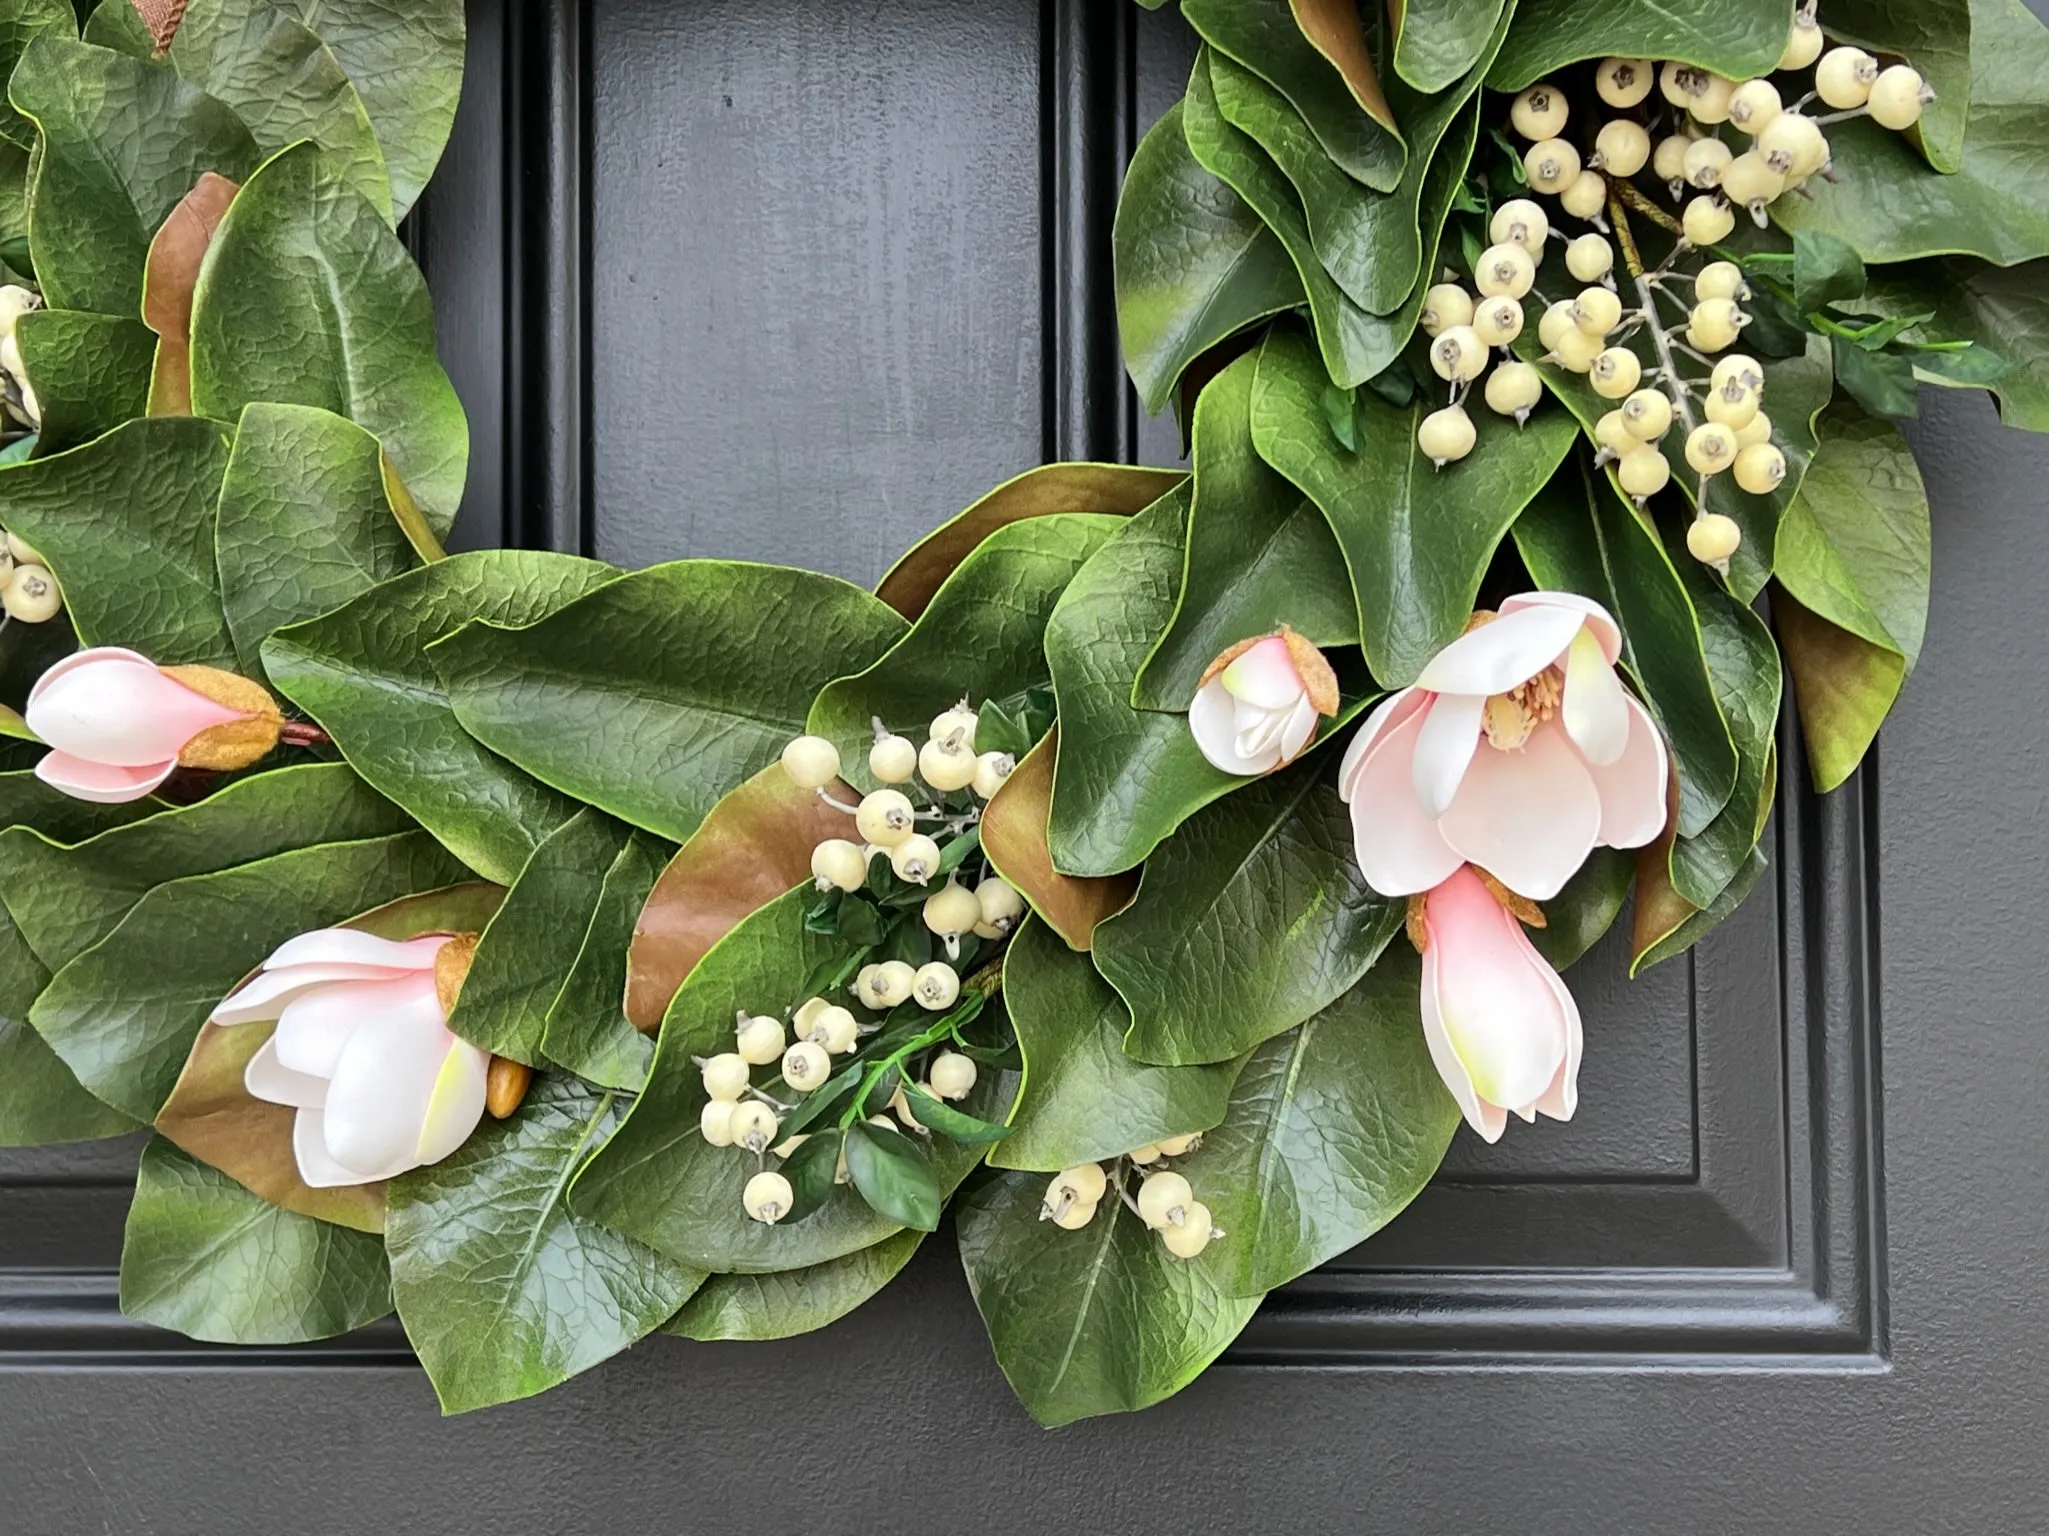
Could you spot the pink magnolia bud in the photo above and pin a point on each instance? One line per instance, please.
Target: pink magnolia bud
(1259, 702)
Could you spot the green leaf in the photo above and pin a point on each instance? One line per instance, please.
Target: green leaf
(982, 637)
(1882, 382)
(305, 524)
(503, 1289)
(526, 954)
(1417, 543)
(121, 28)
(1579, 915)
(101, 184)
(123, 1014)
(936, 1115)
(1935, 37)
(1826, 270)
(1250, 919)
(207, 1258)
(1103, 1320)
(1259, 555)
(363, 673)
(1854, 553)
(653, 696)
(657, 1180)
(588, 1032)
(1737, 38)
(1084, 1099)
(21, 23)
(285, 85)
(1193, 263)
(66, 899)
(1332, 1129)
(90, 373)
(2003, 312)
(41, 1102)
(1440, 40)
(781, 1306)
(1695, 927)
(127, 525)
(1264, 36)
(308, 298)
(894, 1175)
(1888, 204)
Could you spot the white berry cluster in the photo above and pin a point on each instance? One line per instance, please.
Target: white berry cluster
(1165, 1201)
(17, 396)
(28, 591)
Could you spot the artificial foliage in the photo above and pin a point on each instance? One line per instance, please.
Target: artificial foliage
(1141, 885)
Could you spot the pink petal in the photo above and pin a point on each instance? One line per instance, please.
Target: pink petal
(1487, 1120)
(1596, 618)
(1300, 726)
(1451, 732)
(1387, 714)
(83, 658)
(1497, 1007)
(315, 1028)
(1561, 1099)
(457, 1103)
(1632, 788)
(1400, 850)
(265, 994)
(269, 1080)
(120, 710)
(1591, 706)
(1528, 818)
(1496, 657)
(1264, 677)
(347, 946)
(1213, 719)
(382, 1089)
(97, 782)
(319, 1168)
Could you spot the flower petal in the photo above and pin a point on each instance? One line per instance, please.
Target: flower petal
(1400, 850)
(316, 1027)
(1529, 817)
(98, 783)
(122, 711)
(1387, 714)
(1487, 1120)
(269, 1080)
(345, 946)
(1561, 1099)
(381, 1090)
(1264, 676)
(265, 994)
(85, 658)
(1497, 1009)
(1213, 719)
(1451, 732)
(1596, 618)
(1497, 656)
(457, 1103)
(318, 1167)
(1632, 788)
(1299, 727)
(1592, 703)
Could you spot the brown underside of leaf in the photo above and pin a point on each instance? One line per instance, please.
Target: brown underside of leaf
(1659, 909)
(1120, 490)
(162, 18)
(239, 743)
(1843, 685)
(754, 846)
(1014, 837)
(169, 278)
(1335, 29)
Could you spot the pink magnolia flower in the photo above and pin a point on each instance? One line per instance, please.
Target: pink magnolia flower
(363, 1051)
(1517, 750)
(118, 725)
(1258, 704)
(1502, 1029)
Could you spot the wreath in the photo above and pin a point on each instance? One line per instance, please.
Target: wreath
(1157, 866)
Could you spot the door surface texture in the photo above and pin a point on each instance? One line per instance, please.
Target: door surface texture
(794, 280)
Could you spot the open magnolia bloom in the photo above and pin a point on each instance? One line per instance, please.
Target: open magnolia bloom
(1517, 750)
(363, 1051)
(1258, 704)
(1502, 1029)
(118, 724)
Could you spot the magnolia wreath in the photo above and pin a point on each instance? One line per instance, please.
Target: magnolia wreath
(1157, 866)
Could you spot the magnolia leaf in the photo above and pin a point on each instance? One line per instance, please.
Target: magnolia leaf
(90, 373)
(169, 279)
(21, 23)
(124, 1014)
(1332, 1129)
(1194, 264)
(308, 298)
(1103, 1320)
(213, 1116)
(2001, 312)
(1438, 41)
(503, 1289)
(1250, 919)
(1115, 490)
(204, 1256)
(1084, 1098)
(1417, 543)
(752, 847)
(1737, 38)
(1577, 917)
(1666, 925)
(983, 636)
(101, 188)
(1259, 555)
(1014, 836)
(1853, 552)
(304, 522)
(652, 696)
(363, 673)
(797, 1301)
(127, 524)
(121, 28)
(588, 1032)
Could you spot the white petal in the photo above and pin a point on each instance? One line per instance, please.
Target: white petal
(381, 1090)
(1498, 1010)
(1264, 676)
(1632, 788)
(1487, 1120)
(265, 994)
(1387, 714)
(318, 1167)
(99, 783)
(1597, 618)
(1451, 731)
(345, 946)
(273, 1083)
(1530, 817)
(1591, 706)
(316, 1027)
(1496, 657)
(1561, 1099)
(457, 1103)
(1213, 719)
(1400, 850)
(1297, 729)
(120, 711)
(86, 658)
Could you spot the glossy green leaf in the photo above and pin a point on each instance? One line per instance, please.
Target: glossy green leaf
(121, 28)
(1416, 542)
(893, 1172)
(588, 1032)
(101, 186)
(1737, 38)
(304, 522)
(781, 1306)
(1259, 554)
(2003, 312)
(653, 696)
(1577, 917)
(90, 373)
(1440, 40)
(205, 1257)
(308, 298)
(1826, 270)
(363, 673)
(982, 637)
(127, 525)
(1883, 383)
(1103, 1320)
(503, 1289)
(1193, 263)
(1698, 925)
(21, 23)
(1084, 1097)
(123, 1014)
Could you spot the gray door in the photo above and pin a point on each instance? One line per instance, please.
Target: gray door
(796, 279)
